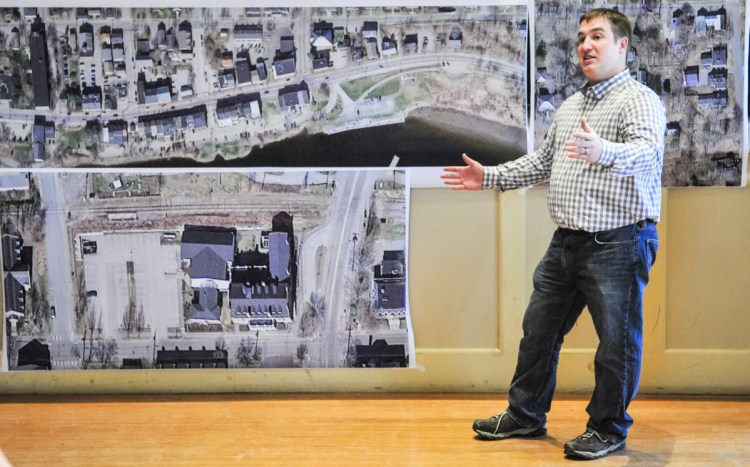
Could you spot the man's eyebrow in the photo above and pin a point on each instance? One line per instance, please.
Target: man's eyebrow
(580, 33)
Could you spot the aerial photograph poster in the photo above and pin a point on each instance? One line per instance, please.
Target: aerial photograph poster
(268, 86)
(139, 269)
(692, 54)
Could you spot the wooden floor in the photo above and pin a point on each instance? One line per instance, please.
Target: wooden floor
(347, 430)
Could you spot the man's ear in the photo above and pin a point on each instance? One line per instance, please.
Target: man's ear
(623, 48)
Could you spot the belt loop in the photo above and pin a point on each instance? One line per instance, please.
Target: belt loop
(643, 223)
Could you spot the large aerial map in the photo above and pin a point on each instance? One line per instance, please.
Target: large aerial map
(690, 54)
(294, 269)
(261, 86)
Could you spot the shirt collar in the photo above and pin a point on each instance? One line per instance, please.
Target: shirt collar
(601, 89)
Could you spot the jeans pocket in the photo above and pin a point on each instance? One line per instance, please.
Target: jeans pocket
(617, 236)
(652, 246)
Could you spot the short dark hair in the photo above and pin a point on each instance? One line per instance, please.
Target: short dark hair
(620, 23)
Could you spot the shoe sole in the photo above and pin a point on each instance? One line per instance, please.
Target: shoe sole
(593, 455)
(520, 433)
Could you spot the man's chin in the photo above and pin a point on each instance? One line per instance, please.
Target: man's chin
(591, 75)
(586, 68)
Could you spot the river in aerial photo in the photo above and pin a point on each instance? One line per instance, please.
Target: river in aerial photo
(428, 140)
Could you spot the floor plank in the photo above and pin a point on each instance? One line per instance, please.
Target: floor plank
(347, 429)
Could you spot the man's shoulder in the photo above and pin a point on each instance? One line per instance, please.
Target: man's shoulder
(633, 88)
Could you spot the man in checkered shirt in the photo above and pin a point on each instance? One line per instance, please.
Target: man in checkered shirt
(603, 159)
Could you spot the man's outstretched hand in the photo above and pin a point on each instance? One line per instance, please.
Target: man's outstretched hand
(468, 177)
(585, 145)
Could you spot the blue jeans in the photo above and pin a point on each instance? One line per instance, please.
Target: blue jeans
(607, 272)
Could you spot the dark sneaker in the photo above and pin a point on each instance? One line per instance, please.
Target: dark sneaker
(592, 445)
(503, 426)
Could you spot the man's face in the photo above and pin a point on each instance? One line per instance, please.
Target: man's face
(600, 55)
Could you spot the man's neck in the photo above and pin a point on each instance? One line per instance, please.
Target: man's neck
(594, 83)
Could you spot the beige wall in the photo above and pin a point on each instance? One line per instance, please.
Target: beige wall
(470, 265)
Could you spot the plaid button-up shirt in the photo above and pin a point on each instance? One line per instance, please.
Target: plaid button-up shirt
(624, 186)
